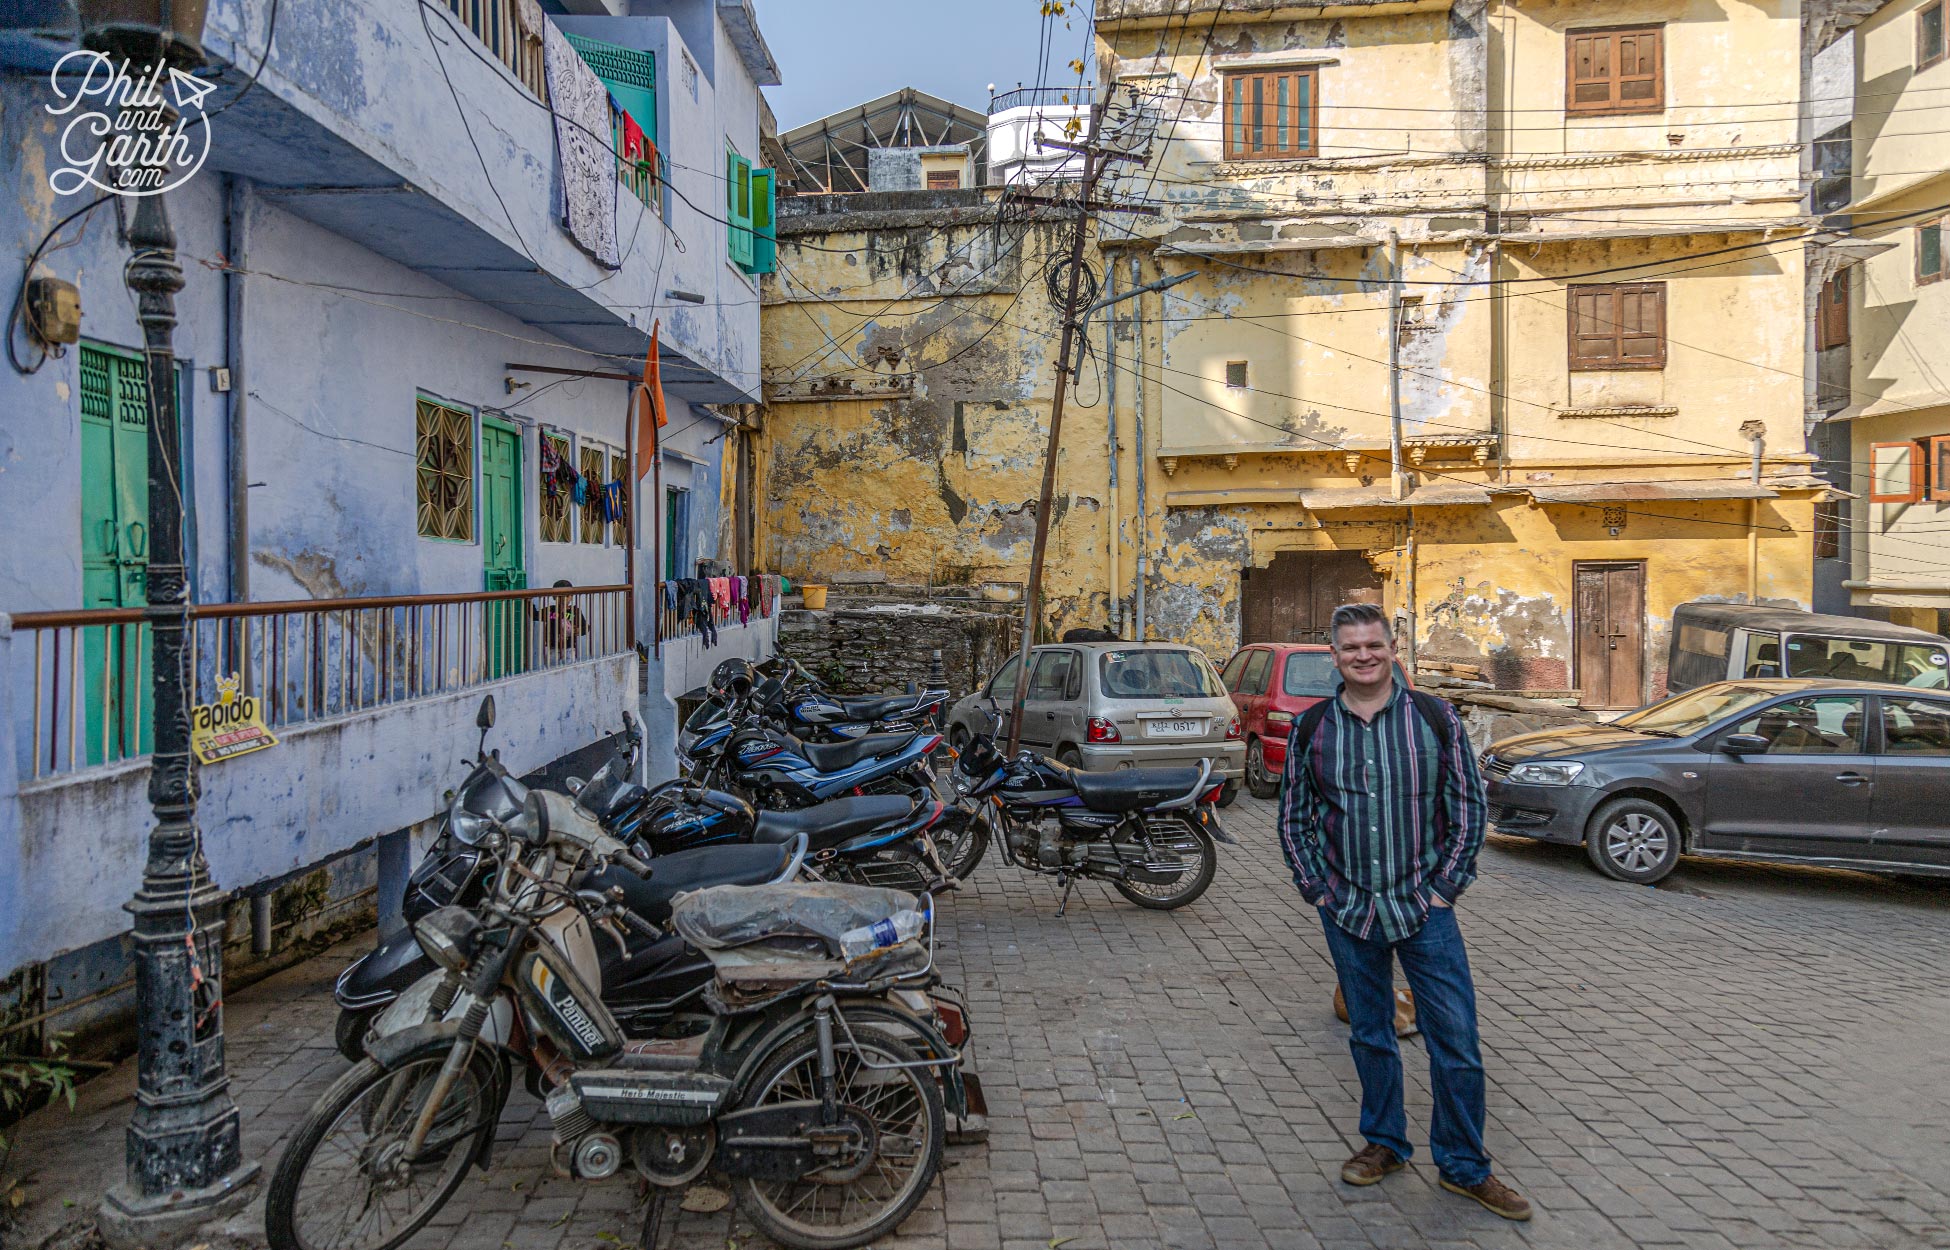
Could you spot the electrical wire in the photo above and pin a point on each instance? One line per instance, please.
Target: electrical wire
(19, 314)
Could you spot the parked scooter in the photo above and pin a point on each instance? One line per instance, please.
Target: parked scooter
(808, 1083)
(1150, 832)
(456, 867)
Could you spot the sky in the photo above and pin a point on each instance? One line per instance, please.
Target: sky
(834, 54)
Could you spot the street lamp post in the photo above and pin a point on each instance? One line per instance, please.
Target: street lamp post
(184, 1162)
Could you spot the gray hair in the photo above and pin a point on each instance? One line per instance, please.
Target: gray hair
(1358, 614)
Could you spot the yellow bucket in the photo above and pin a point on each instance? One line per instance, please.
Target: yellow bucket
(815, 597)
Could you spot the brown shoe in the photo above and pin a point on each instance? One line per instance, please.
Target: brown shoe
(1493, 1194)
(1370, 1165)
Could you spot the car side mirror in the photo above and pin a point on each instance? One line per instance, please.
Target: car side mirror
(1744, 744)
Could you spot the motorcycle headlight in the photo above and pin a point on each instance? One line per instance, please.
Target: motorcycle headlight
(467, 827)
(448, 935)
(1546, 774)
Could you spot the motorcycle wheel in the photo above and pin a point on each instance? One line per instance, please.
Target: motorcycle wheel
(1189, 843)
(963, 849)
(349, 1033)
(910, 1126)
(341, 1184)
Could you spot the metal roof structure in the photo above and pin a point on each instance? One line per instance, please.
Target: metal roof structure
(830, 155)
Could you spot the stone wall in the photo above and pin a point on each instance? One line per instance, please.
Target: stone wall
(864, 651)
(1489, 716)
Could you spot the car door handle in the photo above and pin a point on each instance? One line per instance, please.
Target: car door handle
(1049, 715)
(1852, 779)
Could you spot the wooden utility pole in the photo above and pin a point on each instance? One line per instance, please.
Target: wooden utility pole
(1095, 158)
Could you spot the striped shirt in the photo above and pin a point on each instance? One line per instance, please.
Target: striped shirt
(1374, 818)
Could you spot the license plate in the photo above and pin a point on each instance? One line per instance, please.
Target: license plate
(1174, 728)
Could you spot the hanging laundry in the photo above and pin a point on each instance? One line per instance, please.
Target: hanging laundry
(613, 501)
(634, 142)
(581, 493)
(583, 148)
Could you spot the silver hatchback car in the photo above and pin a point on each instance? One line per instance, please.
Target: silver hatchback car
(1102, 706)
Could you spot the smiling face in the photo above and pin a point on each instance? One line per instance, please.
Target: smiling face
(1364, 654)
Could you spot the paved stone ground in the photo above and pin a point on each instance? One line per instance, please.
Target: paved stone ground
(1745, 1057)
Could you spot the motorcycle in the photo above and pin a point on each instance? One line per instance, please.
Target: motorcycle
(657, 976)
(808, 1082)
(1150, 832)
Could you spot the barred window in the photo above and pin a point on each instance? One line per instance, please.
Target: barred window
(619, 473)
(593, 523)
(445, 461)
(553, 494)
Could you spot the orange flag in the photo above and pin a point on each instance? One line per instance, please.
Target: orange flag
(651, 416)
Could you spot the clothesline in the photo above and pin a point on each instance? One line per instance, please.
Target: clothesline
(701, 606)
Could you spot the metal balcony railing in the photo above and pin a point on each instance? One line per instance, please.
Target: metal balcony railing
(305, 660)
(1057, 97)
(681, 619)
(500, 26)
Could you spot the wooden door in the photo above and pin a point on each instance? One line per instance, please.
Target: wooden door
(114, 549)
(505, 566)
(1294, 597)
(1610, 624)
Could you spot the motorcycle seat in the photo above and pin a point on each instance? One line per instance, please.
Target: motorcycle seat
(834, 756)
(671, 875)
(1132, 789)
(832, 822)
(880, 708)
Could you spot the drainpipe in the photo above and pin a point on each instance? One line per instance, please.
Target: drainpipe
(1408, 591)
(1110, 435)
(1143, 451)
(1395, 474)
(236, 250)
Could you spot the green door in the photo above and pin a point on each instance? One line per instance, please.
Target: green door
(501, 546)
(114, 550)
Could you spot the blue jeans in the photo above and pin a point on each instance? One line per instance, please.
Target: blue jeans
(1445, 1008)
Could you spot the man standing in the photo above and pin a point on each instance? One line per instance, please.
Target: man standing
(1381, 816)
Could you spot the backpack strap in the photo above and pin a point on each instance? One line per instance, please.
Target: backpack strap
(1435, 715)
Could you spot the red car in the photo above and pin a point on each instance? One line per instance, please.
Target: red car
(1271, 683)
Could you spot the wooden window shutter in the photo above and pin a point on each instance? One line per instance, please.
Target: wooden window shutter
(1615, 70)
(1939, 466)
(1617, 325)
(1270, 115)
(765, 248)
(1895, 472)
(1828, 530)
(1831, 321)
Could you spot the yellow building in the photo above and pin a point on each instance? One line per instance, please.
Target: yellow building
(1898, 325)
(1569, 232)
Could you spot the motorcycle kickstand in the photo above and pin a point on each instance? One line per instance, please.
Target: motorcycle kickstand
(653, 1218)
(1068, 883)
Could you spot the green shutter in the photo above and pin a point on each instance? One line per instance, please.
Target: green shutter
(630, 75)
(738, 205)
(765, 250)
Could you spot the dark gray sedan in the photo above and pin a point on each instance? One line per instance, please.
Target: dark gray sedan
(1844, 774)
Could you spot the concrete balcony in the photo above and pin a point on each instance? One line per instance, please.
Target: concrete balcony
(410, 132)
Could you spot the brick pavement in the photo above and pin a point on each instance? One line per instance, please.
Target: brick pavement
(1746, 1057)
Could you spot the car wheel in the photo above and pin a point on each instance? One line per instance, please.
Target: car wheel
(958, 738)
(1633, 840)
(1228, 794)
(1262, 786)
(1070, 757)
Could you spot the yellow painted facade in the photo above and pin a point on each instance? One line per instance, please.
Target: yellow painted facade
(1899, 331)
(1261, 384)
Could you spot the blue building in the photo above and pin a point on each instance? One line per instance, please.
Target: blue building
(414, 312)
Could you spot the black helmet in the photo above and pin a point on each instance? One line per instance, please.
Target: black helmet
(731, 677)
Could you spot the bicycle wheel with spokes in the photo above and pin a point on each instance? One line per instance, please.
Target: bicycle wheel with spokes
(856, 1200)
(345, 1181)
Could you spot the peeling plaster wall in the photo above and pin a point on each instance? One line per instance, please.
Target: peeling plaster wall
(939, 485)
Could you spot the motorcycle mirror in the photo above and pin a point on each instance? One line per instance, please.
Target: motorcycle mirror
(484, 720)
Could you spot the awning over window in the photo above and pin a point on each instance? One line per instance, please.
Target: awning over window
(1646, 492)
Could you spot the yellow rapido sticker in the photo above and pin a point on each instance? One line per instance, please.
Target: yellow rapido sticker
(230, 727)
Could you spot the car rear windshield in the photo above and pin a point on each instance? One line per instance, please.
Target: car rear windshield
(1923, 665)
(1686, 714)
(1142, 673)
(1310, 673)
